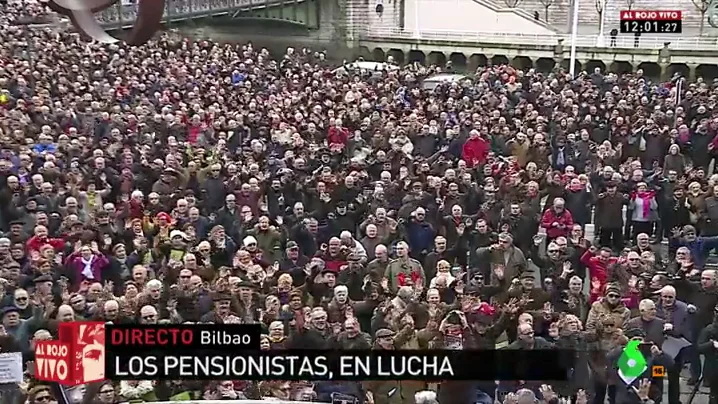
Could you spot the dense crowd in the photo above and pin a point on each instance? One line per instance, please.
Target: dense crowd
(192, 181)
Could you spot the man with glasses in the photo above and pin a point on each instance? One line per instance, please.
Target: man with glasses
(41, 395)
(611, 306)
(528, 340)
(21, 300)
(551, 266)
(106, 394)
(148, 315)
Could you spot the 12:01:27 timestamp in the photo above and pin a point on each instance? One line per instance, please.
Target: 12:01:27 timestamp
(651, 26)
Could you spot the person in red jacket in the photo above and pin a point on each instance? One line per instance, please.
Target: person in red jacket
(475, 150)
(40, 239)
(338, 136)
(597, 262)
(557, 221)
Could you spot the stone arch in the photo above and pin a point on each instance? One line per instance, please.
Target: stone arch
(620, 67)
(397, 55)
(378, 55)
(498, 60)
(522, 63)
(436, 58)
(545, 65)
(459, 61)
(477, 60)
(708, 72)
(651, 70)
(592, 64)
(680, 68)
(416, 56)
(566, 63)
(364, 52)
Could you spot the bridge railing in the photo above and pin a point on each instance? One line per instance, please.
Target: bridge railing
(177, 10)
(621, 42)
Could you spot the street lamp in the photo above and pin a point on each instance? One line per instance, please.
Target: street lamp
(574, 35)
(601, 40)
(417, 35)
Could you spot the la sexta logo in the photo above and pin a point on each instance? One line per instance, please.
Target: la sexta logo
(81, 13)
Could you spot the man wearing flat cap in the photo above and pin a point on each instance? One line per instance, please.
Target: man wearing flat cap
(222, 308)
(505, 254)
(390, 391)
(526, 291)
(610, 306)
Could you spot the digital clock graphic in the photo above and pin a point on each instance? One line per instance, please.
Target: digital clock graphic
(651, 26)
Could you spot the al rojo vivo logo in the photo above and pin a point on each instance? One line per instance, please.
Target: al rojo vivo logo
(77, 357)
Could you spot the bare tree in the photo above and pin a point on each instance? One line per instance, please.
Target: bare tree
(630, 3)
(702, 7)
(512, 3)
(546, 5)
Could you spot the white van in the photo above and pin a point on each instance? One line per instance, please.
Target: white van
(430, 83)
(362, 66)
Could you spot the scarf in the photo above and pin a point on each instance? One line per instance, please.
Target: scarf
(560, 159)
(646, 197)
(415, 278)
(87, 267)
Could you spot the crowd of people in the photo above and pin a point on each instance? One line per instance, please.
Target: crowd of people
(191, 181)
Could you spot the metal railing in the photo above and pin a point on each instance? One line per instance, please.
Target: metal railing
(179, 10)
(621, 42)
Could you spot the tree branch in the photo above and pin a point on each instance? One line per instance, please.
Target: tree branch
(702, 5)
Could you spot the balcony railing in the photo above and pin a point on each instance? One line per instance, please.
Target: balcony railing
(178, 10)
(622, 41)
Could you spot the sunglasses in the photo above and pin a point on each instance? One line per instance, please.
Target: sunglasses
(21, 299)
(552, 251)
(612, 295)
(185, 276)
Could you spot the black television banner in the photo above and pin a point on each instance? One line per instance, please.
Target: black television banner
(139, 338)
(436, 365)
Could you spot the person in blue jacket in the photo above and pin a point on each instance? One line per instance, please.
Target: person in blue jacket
(699, 246)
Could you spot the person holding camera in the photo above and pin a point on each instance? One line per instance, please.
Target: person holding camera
(678, 317)
(632, 393)
(708, 346)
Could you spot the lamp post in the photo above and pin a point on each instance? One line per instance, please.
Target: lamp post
(574, 35)
(601, 40)
(417, 35)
